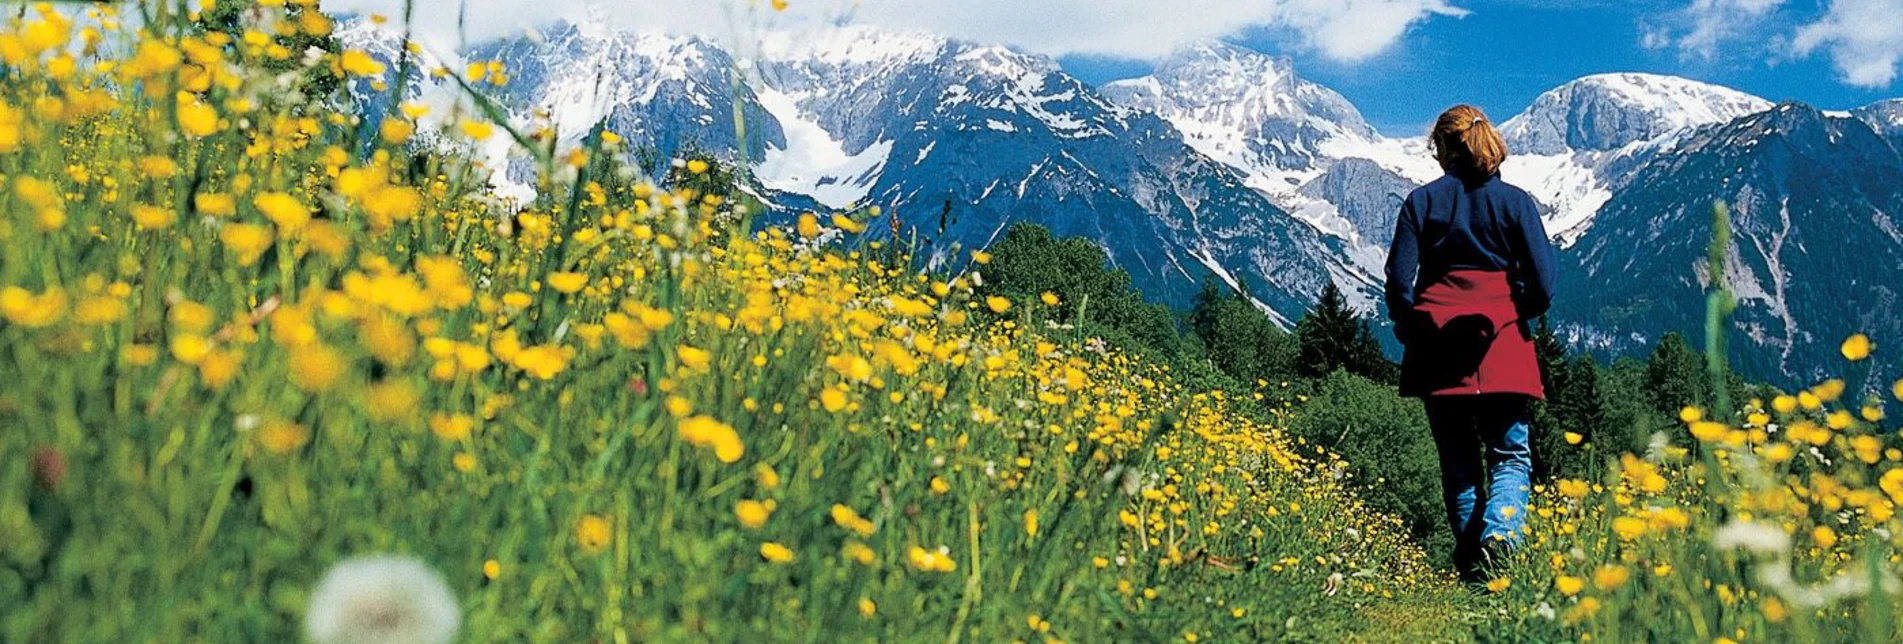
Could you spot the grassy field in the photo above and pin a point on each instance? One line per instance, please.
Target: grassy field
(245, 339)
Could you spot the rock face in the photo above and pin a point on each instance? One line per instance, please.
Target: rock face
(1365, 193)
(1245, 109)
(1886, 117)
(1816, 252)
(1610, 111)
(956, 140)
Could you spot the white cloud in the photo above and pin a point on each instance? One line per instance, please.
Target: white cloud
(1346, 30)
(1700, 28)
(1864, 39)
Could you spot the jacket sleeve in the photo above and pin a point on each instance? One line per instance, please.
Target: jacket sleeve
(1535, 263)
(1404, 263)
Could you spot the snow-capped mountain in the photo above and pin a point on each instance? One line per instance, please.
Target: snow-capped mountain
(1576, 143)
(1225, 163)
(956, 140)
(1283, 132)
(1886, 117)
(1816, 252)
(1606, 112)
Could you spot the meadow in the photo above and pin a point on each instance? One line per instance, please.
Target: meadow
(246, 337)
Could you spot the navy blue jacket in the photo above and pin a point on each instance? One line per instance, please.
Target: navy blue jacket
(1451, 225)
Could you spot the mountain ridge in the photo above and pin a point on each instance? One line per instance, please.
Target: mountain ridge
(1223, 164)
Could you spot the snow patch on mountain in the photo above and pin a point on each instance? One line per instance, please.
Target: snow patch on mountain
(812, 162)
(1609, 111)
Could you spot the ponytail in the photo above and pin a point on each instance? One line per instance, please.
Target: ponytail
(1466, 144)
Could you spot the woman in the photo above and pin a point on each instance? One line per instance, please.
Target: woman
(1470, 266)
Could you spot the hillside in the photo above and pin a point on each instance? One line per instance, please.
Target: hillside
(610, 413)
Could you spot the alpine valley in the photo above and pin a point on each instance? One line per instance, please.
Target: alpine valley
(1226, 164)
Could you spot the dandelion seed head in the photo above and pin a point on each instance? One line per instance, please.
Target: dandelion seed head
(382, 599)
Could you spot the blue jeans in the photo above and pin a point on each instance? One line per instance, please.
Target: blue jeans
(1463, 427)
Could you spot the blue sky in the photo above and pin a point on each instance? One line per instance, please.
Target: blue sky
(1502, 54)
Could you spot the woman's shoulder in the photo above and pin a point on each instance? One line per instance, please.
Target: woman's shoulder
(1446, 184)
(1511, 193)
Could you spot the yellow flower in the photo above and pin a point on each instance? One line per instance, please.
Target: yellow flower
(1628, 528)
(846, 518)
(832, 399)
(752, 514)
(567, 282)
(593, 532)
(1824, 537)
(930, 560)
(866, 606)
(477, 130)
(358, 63)
(1856, 347)
(1787, 404)
(997, 304)
(452, 427)
(1049, 298)
(1030, 523)
(1499, 584)
(152, 217)
(158, 167)
(808, 225)
(1708, 431)
(214, 204)
(194, 117)
(248, 241)
(392, 203)
(773, 552)
(1568, 585)
(315, 367)
(704, 431)
(395, 131)
(859, 553)
(1573, 488)
(26, 309)
(1609, 577)
(491, 569)
(981, 257)
(1574, 438)
(1691, 414)
(845, 223)
(98, 310)
(282, 437)
(697, 166)
(693, 358)
(283, 209)
(464, 462)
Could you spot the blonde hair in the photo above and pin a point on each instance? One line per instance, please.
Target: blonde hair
(1466, 144)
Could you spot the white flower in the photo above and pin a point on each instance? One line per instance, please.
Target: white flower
(382, 599)
(1752, 536)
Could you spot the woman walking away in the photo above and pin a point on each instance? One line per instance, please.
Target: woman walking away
(1470, 267)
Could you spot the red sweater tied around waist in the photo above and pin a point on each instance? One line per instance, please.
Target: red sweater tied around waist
(1465, 337)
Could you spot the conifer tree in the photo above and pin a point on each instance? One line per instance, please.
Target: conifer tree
(1333, 336)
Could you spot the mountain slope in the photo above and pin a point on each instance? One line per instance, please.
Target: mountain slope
(955, 140)
(1576, 144)
(986, 136)
(1815, 256)
(1283, 132)
(1609, 111)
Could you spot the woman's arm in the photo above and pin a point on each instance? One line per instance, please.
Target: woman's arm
(1404, 266)
(1536, 263)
